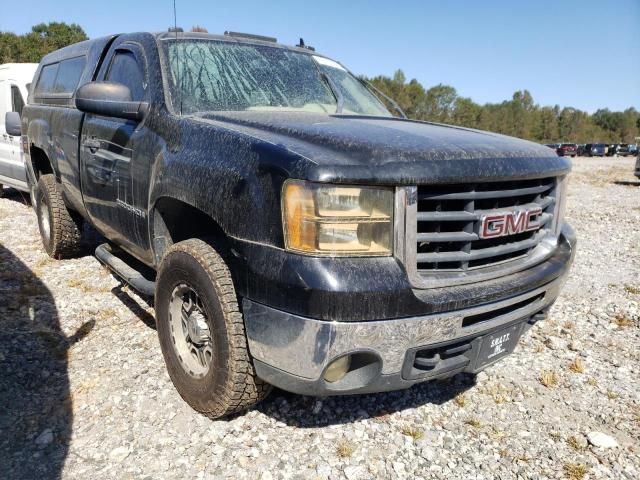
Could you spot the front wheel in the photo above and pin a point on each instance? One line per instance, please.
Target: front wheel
(201, 332)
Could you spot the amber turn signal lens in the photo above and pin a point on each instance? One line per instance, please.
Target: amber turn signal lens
(298, 208)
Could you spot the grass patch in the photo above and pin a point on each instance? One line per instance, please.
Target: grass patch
(622, 320)
(83, 286)
(592, 381)
(577, 366)
(39, 266)
(460, 400)
(345, 449)
(575, 471)
(497, 434)
(499, 398)
(611, 395)
(539, 348)
(548, 378)
(106, 314)
(414, 432)
(632, 289)
(574, 443)
(74, 283)
(499, 394)
(473, 422)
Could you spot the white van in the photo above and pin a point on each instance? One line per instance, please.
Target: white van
(15, 79)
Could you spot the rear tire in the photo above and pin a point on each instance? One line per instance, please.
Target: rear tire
(60, 230)
(1, 190)
(212, 371)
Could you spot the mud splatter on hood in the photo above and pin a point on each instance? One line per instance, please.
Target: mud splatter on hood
(352, 148)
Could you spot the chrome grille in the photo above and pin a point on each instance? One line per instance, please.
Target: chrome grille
(447, 248)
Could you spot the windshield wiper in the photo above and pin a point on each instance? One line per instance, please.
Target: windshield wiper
(379, 93)
(334, 89)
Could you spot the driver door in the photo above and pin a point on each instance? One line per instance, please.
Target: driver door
(115, 170)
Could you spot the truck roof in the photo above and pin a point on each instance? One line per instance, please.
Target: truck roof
(231, 37)
(75, 50)
(83, 48)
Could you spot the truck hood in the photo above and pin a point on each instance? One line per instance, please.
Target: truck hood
(340, 148)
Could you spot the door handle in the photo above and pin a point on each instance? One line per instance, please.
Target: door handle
(92, 144)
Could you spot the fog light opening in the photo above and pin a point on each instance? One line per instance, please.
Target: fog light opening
(337, 369)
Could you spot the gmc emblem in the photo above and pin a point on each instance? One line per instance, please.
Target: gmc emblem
(510, 223)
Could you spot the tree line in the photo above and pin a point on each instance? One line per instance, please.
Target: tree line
(519, 117)
(42, 39)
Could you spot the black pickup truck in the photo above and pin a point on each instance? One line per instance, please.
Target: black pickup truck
(292, 231)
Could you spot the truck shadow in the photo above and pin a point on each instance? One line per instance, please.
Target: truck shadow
(134, 307)
(310, 412)
(16, 196)
(36, 415)
(628, 183)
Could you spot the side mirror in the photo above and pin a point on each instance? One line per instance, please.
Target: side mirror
(109, 99)
(12, 123)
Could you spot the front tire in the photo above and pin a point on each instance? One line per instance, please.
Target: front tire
(60, 230)
(201, 332)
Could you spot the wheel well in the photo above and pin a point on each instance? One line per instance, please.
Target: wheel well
(40, 162)
(174, 221)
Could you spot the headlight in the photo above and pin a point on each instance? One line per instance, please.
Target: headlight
(333, 220)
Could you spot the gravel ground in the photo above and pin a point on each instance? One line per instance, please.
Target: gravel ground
(84, 392)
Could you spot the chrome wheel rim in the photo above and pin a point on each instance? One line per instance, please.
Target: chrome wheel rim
(45, 222)
(190, 332)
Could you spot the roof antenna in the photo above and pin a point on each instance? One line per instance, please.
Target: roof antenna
(302, 45)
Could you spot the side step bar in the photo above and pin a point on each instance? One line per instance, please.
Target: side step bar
(124, 271)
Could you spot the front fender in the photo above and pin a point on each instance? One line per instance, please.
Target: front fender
(234, 178)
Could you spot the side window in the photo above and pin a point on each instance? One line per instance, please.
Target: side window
(125, 69)
(17, 102)
(69, 73)
(47, 79)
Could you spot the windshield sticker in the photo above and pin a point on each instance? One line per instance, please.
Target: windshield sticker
(329, 63)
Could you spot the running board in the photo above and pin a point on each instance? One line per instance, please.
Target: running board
(127, 273)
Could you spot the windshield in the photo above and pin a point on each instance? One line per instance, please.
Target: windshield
(356, 97)
(210, 75)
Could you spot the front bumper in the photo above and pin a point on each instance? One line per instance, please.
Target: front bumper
(292, 352)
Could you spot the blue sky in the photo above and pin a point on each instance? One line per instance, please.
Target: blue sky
(581, 53)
